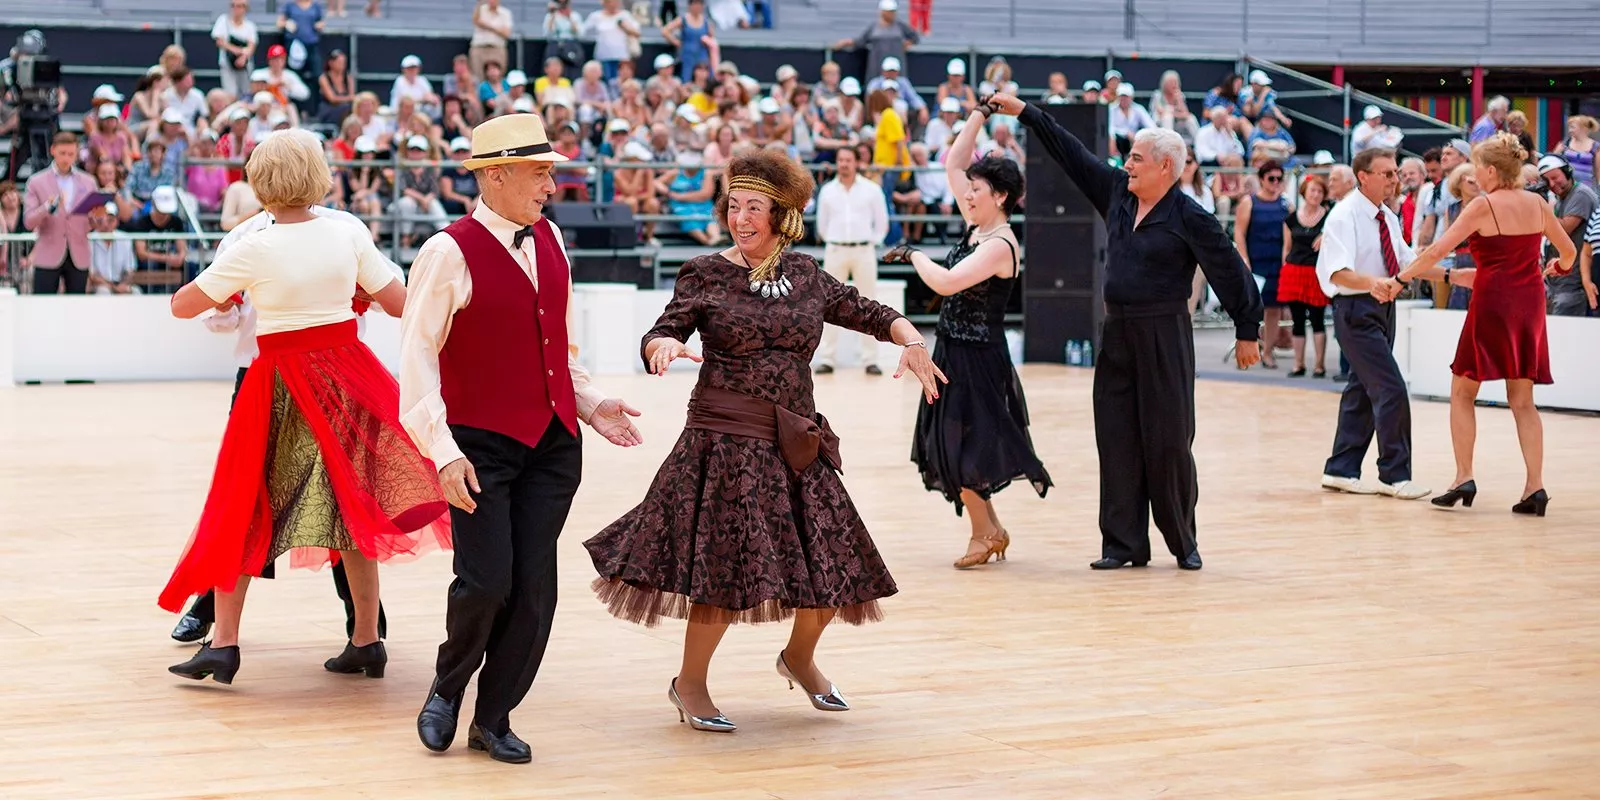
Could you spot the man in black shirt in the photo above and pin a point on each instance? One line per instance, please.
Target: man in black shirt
(1144, 376)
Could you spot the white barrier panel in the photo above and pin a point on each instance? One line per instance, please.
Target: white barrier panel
(1431, 335)
(52, 338)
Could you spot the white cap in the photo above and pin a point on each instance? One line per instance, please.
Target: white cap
(263, 97)
(787, 72)
(1370, 112)
(417, 142)
(636, 151)
(262, 75)
(278, 118)
(1552, 163)
(891, 64)
(1091, 86)
(1111, 73)
(888, 5)
(110, 111)
(173, 116)
(516, 77)
(459, 144)
(366, 144)
(768, 105)
(1124, 90)
(239, 114)
(1322, 158)
(410, 61)
(618, 125)
(523, 105)
(106, 91)
(950, 105)
(850, 87)
(1260, 78)
(165, 199)
(665, 60)
(688, 112)
(955, 67)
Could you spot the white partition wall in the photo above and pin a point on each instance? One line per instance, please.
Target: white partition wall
(1429, 337)
(135, 337)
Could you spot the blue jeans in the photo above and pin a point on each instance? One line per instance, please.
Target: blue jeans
(608, 70)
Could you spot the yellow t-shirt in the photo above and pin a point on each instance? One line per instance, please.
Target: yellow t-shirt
(890, 149)
(299, 275)
(543, 83)
(703, 103)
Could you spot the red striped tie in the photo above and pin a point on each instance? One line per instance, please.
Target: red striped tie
(1389, 261)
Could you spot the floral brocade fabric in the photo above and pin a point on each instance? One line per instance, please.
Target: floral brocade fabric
(727, 531)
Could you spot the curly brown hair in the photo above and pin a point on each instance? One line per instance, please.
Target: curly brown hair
(792, 181)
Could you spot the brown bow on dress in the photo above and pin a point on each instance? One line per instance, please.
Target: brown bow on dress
(801, 440)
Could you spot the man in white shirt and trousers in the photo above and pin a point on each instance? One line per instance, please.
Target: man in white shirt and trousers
(1362, 252)
(196, 622)
(852, 220)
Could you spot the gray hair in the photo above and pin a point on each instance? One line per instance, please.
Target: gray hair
(1410, 161)
(1165, 145)
(1499, 103)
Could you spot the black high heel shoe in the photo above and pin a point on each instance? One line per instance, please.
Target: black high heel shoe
(1532, 504)
(221, 663)
(370, 659)
(1464, 493)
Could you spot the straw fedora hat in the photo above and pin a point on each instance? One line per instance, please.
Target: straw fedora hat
(510, 139)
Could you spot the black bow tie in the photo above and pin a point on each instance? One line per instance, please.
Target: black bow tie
(516, 241)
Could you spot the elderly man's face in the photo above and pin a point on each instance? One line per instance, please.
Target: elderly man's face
(1149, 175)
(1410, 176)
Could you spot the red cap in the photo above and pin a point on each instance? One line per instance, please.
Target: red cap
(276, 51)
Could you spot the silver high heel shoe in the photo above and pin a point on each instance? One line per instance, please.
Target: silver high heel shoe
(831, 701)
(716, 724)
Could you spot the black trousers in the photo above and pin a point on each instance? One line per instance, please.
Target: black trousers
(1144, 429)
(205, 606)
(503, 598)
(1375, 400)
(48, 280)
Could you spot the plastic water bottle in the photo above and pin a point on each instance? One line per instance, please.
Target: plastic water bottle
(1088, 353)
(1074, 353)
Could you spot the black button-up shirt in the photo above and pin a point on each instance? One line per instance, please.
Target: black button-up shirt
(1153, 263)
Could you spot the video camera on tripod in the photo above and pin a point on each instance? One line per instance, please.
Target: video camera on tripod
(32, 82)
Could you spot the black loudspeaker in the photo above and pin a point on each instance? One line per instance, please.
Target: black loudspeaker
(594, 226)
(612, 269)
(1065, 244)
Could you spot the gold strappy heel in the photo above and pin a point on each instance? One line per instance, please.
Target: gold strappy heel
(993, 547)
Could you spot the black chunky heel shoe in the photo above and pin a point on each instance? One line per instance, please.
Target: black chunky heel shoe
(370, 659)
(221, 663)
(1464, 493)
(1532, 504)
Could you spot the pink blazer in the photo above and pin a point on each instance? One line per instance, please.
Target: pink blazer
(62, 231)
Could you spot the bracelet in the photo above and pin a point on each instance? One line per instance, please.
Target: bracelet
(918, 343)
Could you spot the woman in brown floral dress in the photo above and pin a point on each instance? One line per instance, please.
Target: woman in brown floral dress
(747, 520)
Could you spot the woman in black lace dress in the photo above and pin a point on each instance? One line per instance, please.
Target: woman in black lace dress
(973, 441)
(747, 520)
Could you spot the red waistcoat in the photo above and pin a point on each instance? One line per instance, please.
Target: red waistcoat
(504, 366)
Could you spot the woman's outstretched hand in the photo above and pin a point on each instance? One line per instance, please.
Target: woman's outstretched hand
(667, 351)
(920, 363)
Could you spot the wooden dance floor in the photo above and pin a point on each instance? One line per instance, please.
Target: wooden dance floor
(1333, 646)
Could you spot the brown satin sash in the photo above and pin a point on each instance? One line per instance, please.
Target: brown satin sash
(801, 440)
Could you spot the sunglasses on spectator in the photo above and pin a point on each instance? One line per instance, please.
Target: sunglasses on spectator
(1277, 178)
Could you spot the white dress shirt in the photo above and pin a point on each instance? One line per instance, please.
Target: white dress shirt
(1129, 122)
(440, 286)
(1350, 241)
(1365, 137)
(1211, 143)
(852, 215)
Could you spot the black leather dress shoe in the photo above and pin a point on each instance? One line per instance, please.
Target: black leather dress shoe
(190, 629)
(218, 663)
(507, 747)
(1116, 563)
(1189, 562)
(370, 659)
(436, 725)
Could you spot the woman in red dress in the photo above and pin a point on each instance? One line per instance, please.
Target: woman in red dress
(313, 460)
(1504, 334)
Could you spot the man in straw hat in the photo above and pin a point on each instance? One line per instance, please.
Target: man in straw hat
(491, 392)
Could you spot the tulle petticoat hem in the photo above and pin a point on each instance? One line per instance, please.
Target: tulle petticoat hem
(647, 606)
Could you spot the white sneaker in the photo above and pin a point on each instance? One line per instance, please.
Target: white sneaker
(1334, 483)
(1404, 490)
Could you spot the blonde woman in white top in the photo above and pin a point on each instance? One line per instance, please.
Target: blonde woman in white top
(314, 460)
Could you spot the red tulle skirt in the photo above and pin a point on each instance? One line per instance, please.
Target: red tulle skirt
(387, 494)
(1297, 283)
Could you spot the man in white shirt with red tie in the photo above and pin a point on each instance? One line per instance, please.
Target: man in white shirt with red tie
(491, 392)
(852, 219)
(1362, 252)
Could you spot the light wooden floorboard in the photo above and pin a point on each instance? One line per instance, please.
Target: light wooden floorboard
(1333, 647)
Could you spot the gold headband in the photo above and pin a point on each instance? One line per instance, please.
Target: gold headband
(791, 229)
